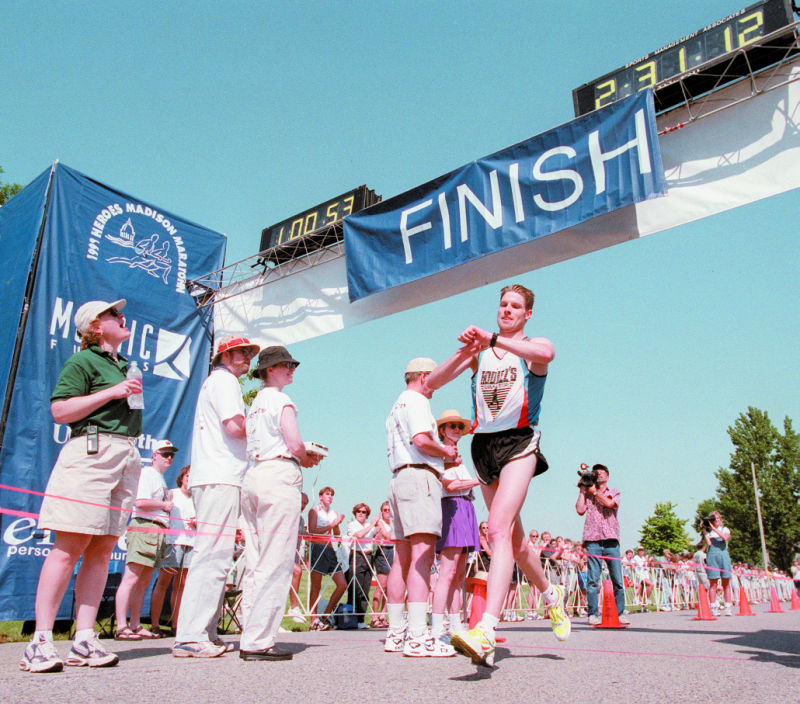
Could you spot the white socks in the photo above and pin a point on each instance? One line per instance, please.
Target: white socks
(489, 624)
(417, 617)
(550, 595)
(396, 616)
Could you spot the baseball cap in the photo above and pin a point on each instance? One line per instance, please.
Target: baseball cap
(164, 445)
(420, 364)
(91, 310)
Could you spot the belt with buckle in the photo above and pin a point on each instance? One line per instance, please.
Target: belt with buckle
(426, 467)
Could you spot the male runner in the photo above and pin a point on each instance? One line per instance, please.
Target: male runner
(509, 372)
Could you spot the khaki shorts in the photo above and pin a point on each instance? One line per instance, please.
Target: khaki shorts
(415, 497)
(144, 547)
(92, 494)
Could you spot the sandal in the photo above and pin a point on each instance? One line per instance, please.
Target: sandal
(314, 625)
(144, 634)
(325, 625)
(126, 633)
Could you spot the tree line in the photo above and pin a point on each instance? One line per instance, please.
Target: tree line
(775, 455)
(8, 190)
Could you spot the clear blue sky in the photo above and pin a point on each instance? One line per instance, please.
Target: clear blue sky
(238, 115)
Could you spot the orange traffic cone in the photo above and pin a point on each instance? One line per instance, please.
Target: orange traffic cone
(477, 585)
(703, 609)
(744, 604)
(610, 616)
(795, 601)
(774, 604)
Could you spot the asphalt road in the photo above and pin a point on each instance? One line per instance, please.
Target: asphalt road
(661, 657)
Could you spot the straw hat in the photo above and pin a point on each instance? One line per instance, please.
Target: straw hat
(453, 416)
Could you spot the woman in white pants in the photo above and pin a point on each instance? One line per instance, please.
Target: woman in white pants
(271, 505)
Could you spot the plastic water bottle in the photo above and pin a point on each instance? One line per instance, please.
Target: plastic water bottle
(135, 400)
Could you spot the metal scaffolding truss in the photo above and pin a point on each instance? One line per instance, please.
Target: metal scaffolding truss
(764, 64)
(313, 249)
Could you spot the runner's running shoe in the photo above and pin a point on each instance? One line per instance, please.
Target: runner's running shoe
(559, 620)
(41, 656)
(90, 652)
(475, 644)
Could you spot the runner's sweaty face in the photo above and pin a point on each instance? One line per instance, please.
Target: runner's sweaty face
(511, 313)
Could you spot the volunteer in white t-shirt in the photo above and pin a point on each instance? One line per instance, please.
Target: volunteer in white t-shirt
(145, 542)
(178, 553)
(219, 462)
(271, 505)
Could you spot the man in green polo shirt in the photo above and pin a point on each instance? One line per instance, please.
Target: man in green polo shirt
(92, 486)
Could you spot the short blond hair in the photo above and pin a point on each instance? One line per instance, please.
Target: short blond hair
(526, 293)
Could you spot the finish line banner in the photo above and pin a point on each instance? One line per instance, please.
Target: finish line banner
(597, 163)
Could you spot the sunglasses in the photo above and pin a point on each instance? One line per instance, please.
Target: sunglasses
(114, 313)
(455, 426)
(167, 455)
(288, 365)
(361, 510)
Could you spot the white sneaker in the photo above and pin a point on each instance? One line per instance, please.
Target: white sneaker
(728, 610)
(203, 649)
(425, 646)
(296, 614)
(395, 640)
(41, 656)
(90, 652)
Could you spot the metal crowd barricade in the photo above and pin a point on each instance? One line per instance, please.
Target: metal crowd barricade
(675, 585)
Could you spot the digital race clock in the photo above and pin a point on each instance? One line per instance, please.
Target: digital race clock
(737, 31)
(317, 217)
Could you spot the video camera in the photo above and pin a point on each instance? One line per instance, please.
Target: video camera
(588, 477)
(707, 521)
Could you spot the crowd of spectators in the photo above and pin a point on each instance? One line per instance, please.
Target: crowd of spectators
(664, 582)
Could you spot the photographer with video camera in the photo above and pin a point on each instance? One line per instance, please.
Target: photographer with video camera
(599, 505)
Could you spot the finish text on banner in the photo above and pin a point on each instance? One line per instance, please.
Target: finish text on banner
(595, 164)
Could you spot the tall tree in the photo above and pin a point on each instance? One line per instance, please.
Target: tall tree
(8, 190)
(776, 457)
(664, 531)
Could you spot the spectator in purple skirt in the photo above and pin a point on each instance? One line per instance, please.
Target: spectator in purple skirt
(459, 528)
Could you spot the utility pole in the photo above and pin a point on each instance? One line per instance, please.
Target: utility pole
(764, 555)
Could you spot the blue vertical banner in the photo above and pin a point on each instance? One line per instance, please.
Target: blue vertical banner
(597, 163)
(20, 222)
(100, 244)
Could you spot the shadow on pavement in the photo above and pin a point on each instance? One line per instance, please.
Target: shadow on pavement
(156, 651)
